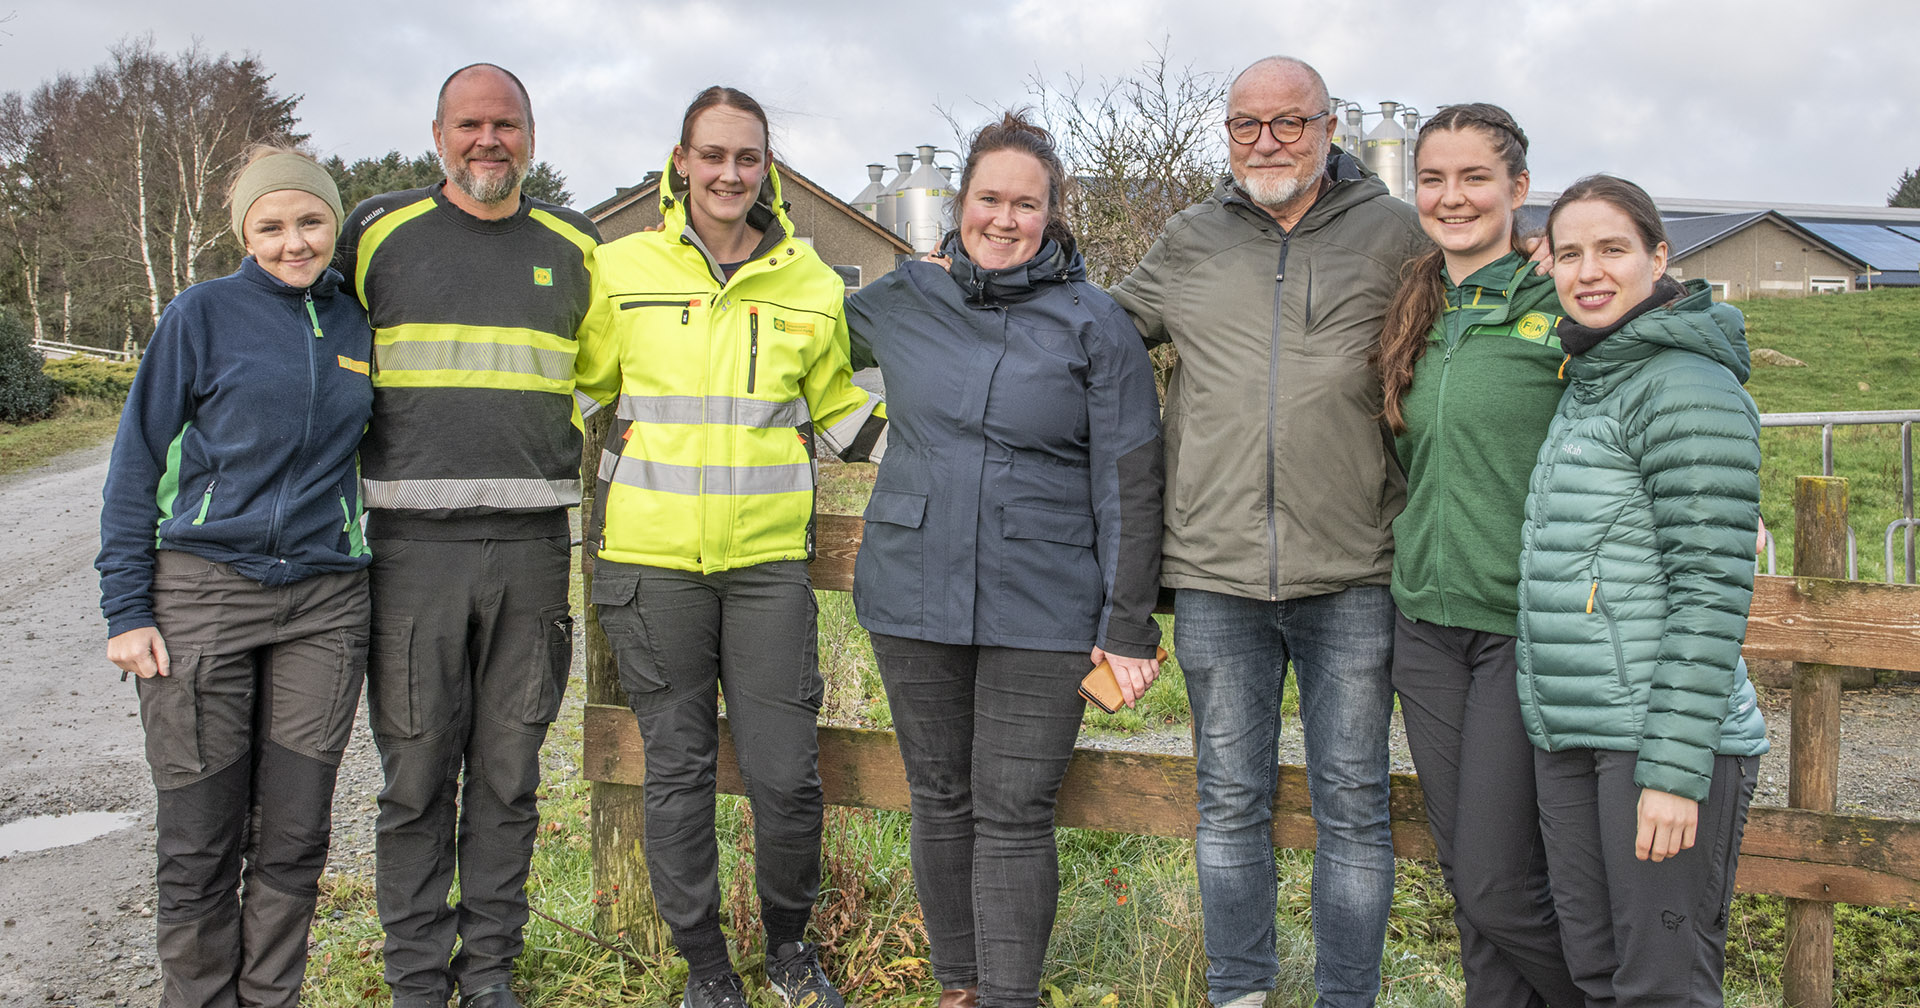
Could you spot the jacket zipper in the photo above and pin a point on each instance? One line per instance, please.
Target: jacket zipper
(206, 503)
(753, 344)
(686, 307)
(314, 317)
(1273, 386)
(1595, 602)
(306, 431)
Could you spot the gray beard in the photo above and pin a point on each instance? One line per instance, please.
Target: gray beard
(1276, 194)
(489, 193)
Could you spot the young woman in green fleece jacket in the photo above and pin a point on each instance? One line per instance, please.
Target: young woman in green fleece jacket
(1469, 361)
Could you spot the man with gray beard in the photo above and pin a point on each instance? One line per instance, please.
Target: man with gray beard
(1281, 491)
(475, 293)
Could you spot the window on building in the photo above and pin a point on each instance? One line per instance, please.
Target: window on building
(1827, 285)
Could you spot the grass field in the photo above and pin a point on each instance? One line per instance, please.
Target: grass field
(1129, 926)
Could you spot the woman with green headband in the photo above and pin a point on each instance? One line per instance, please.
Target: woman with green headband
(233, 579)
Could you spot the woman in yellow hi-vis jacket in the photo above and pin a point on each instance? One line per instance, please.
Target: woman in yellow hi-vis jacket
(723, 338)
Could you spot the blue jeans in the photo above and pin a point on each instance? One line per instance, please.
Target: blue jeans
(1234, 652)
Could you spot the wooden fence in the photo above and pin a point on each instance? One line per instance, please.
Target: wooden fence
(1807, 853)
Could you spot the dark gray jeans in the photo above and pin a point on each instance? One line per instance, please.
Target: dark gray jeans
(1462, 711)
(1641, 933)
(680, 639)
(986, 734)
(472, 641)
(244, 738)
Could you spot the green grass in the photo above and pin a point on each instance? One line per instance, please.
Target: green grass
(75, 424)
(1860, 353)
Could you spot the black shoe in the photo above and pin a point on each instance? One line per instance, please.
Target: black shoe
(493, 996)
(721, 990)
(794, 971)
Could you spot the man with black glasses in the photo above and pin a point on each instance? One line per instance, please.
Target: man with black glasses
(1281, 490)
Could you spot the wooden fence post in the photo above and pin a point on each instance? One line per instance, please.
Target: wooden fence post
(617, 817)
(1819, 550)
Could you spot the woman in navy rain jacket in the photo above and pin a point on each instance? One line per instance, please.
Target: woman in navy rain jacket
(233, 578)
(1012, 540)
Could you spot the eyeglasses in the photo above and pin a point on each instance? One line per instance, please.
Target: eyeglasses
(1285, 129)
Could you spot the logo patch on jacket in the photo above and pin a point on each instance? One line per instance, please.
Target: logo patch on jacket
(356, 366)
(798, 328)
(1534, 326)
(542, 276)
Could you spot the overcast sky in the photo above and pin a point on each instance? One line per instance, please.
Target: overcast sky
(1785, 101)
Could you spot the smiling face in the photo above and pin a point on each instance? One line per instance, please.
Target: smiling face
(1282, 177)
(1004, 211)
(1602, 266)
(1467, 198)
(724, 161)
(290, 234)
(484, 136)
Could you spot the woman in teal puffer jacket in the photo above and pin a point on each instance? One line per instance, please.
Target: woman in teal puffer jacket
(1635, 576)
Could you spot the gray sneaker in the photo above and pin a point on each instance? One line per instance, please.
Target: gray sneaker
(721, 990)
(794, 971)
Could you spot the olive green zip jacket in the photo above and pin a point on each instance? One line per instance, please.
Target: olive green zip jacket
(1281, 480)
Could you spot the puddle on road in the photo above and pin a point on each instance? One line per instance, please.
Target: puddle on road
(46, 832)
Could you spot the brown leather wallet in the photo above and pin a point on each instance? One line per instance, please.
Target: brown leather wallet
(1102, 690)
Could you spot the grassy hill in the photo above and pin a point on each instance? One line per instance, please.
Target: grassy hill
(1862, 352)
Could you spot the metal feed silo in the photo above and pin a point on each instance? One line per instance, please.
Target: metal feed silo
(887, 204)
(1346, 127)
(1410, 119)
(920, 204)
(868, 202)
(1385, 153)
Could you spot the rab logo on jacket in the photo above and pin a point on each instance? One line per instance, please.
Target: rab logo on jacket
(542, 276)
(797, 328)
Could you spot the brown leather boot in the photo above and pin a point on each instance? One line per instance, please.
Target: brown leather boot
(960, 997)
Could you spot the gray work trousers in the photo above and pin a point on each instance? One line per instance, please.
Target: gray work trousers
(681, 638)
(1641, 933)
(472, 642)
(1462, 712)
(244, 738)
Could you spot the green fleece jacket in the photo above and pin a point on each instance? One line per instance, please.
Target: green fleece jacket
(1476, 413)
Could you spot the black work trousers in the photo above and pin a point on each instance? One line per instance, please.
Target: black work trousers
(681, 639)
(472, 642)
(1461, 705)
(244, 738)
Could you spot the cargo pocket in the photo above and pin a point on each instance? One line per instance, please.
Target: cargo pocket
(889, 572)
(390, 688)
(614, 589)
(170, 714)
(1047, 569)
(346, 698)
(545, 690)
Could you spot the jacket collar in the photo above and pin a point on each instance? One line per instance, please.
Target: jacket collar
(1055, 263)
(1694, 322)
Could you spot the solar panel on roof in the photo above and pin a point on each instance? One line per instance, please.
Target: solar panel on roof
(1880, 247)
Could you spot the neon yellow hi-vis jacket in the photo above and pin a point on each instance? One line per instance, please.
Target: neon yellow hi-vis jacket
(723, 390)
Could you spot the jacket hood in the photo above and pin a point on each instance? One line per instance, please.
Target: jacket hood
(1351, 185)
(1054, 263)
(1694, 323)
(768, 213)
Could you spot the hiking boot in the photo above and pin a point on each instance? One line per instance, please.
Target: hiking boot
(794, 971)
(721, 990)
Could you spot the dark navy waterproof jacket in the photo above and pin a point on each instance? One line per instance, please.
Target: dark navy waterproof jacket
(1018, 504)
(238, 440)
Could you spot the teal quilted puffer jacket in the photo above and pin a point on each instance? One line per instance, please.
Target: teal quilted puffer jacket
(1637, 555)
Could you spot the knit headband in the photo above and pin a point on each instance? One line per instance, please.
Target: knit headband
(282, 171)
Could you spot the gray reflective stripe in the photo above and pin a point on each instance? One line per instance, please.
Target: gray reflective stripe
(840, 435)
(691, 480)
(453, 494)
(588, 405)
(459, 355)
(725, 410)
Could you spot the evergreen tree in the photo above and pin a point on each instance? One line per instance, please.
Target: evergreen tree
(1906, 192)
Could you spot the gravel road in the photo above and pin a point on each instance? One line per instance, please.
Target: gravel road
(76, 924)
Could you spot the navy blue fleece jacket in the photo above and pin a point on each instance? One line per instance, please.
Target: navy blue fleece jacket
(238, 440)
